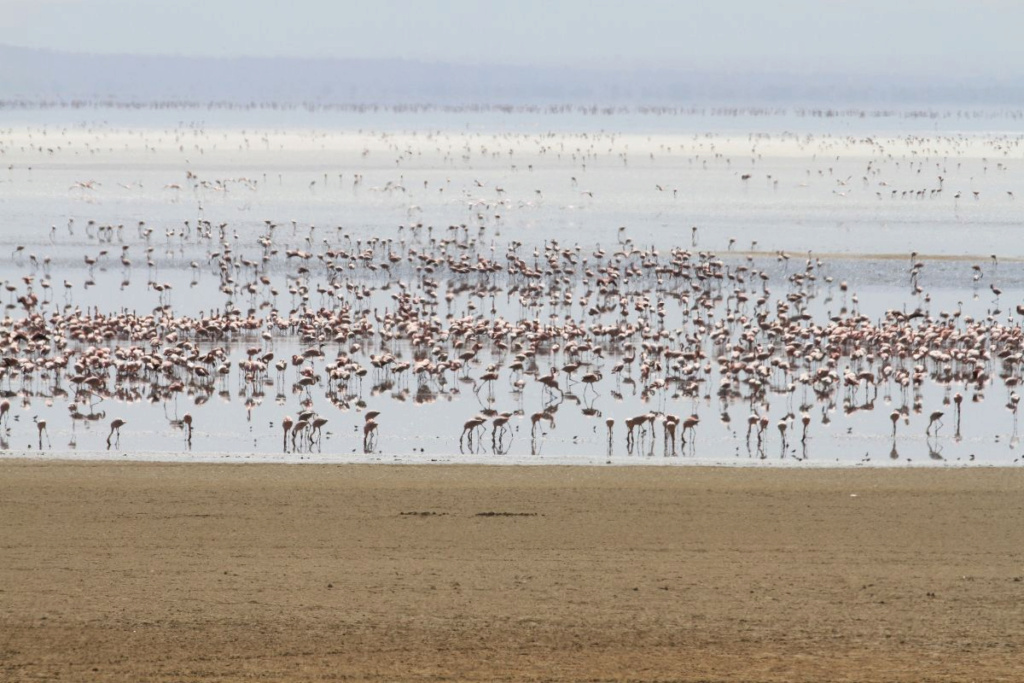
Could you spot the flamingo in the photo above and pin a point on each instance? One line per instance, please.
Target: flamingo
(369, 432)
(317, 426)
(286, 426)
(958, 398)
(115, 427)
(690, 424)
(537, 417)
(299, 428)
(470, 426)
(670, 431)
(499, 424)
(41, 426)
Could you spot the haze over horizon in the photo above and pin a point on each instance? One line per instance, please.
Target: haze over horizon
(458, 51)
(869, 37)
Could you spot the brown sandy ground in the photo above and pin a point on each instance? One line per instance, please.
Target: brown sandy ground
(183, 572)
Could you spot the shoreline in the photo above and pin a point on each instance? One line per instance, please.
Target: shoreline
(486, 460)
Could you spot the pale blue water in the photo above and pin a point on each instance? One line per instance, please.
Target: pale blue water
(815, 185)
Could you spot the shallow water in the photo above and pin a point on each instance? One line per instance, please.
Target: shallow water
(852, 204)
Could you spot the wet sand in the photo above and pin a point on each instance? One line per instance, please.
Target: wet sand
(178, 572)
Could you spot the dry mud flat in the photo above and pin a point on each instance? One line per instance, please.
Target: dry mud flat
(180, 572)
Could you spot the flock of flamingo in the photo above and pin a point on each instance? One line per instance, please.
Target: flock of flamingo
(672, 327)
(513, 333)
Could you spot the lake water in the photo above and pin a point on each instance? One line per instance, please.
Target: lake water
(169, 211)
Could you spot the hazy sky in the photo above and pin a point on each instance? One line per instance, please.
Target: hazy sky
(904, 36)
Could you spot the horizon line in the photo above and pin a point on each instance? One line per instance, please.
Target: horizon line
(695, 70)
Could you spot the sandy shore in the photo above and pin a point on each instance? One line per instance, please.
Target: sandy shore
(128, 572)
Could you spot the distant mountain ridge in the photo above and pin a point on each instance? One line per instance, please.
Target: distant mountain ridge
(33, 75)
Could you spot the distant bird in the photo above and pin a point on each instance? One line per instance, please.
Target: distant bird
(369, 432)
(115, 427)
(286, 426)
(537, 417)
(690, 424)
(41, 426)
(958, 399)
(317, 425)
(498, 428)
(299, 428)
(752, 421)
(670, 424)
(934, 419)
(996, 291)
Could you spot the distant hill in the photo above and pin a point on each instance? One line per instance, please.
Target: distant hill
(29, 74)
